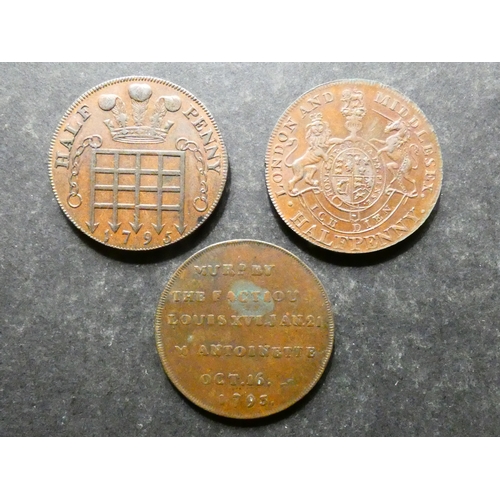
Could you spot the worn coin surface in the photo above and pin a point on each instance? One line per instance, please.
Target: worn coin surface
(353, 166)
(137, 163)
(244, 329)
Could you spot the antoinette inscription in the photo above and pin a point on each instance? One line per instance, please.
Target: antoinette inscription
(353, 166)
(137, 163)
(244, 329)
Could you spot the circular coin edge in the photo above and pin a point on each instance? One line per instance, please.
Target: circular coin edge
(152, 79)
(160, 347)
(294, 104)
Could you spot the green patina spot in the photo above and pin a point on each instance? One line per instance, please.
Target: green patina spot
(247, 298)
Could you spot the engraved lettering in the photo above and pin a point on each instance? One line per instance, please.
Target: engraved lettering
(207, 137)
(299, 219)
(201, 270)
(328, 96)
(239, 351)
(62, 160)
(382, 99)
(191, 112)
(211, 154)
(74, 131)
(428, 149)
(216, 349)
(285, 320)
(200, 124)
(185, 319)
(181, 350)
(227, 270)
(236, 320)
(420, 135)
(290, 125)
(172, 320)
(84, 112)
(264, 350)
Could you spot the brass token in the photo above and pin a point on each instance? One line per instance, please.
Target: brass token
(353, 166)
(137, 163)
(244, 329)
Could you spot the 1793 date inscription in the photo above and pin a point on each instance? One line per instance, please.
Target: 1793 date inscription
(244, 329)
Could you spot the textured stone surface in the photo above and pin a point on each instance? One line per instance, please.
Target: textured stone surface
(417, 326)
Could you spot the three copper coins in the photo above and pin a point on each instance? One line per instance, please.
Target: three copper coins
(244, 329)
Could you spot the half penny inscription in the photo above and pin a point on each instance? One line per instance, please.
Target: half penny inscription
(137, 163)
(353, 166)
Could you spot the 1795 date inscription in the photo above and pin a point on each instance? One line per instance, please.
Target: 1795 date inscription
(137, 163)
(244, 329)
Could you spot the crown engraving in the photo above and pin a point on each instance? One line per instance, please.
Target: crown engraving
(316, 117)
(141, 131)
(353, 110)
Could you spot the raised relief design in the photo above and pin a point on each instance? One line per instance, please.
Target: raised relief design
(305, 167)
(138, 163)
(352, 192)
(244, 329)
(139, 132)
(402, 154)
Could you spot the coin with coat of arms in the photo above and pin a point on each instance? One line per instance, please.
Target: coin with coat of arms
(137, 163)
(353, 166)
(244, 329)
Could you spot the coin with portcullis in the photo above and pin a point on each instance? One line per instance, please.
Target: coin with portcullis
(137, 163)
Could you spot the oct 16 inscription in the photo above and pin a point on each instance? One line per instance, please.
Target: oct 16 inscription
(244, 329)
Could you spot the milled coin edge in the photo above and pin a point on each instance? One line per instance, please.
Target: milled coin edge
(108, 83)
(163, 357)
(280, 122)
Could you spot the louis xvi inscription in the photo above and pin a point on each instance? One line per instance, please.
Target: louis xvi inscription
(260, 326)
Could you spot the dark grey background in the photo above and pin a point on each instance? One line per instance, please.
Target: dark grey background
(417, 327)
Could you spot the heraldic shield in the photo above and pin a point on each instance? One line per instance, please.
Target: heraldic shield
(355, 192)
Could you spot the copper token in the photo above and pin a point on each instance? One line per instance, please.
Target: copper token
(137, 163)
(244, 329)
(353, 166)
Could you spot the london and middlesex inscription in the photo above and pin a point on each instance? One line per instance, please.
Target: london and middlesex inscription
(239, 343)
(138, 163)
(355, 192)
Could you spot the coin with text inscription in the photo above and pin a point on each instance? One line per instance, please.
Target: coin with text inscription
(137, 163)
(244, 329)
(353, 166)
